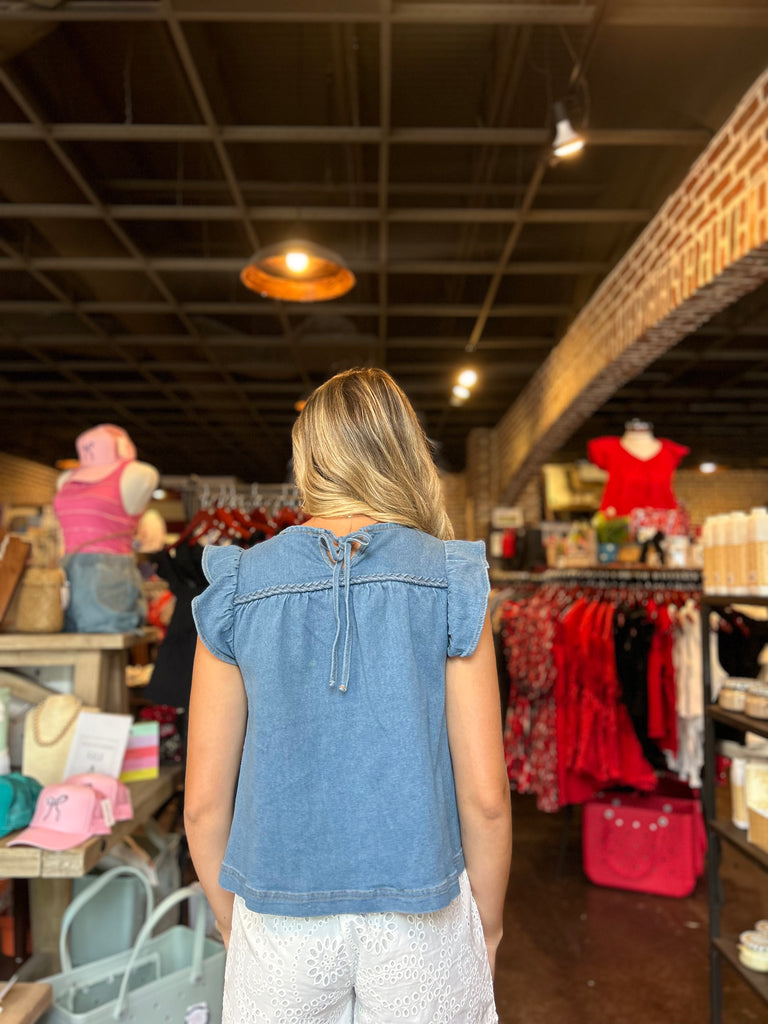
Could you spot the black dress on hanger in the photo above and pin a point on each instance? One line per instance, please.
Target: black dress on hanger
(171, 681)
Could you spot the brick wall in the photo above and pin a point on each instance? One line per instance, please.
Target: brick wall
(706, 247)
(23, 482)
(727, 490)
(530, 499)
(455, 495)
(482, 481)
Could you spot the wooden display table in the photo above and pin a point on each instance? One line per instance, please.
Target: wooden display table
(98, 660)
(26, 1002)
(49, 871)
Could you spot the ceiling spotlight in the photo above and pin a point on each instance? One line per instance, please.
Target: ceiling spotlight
(567, 140)
(455, 401)
(467, 378)
(461, 392)
(297, 271)
(707, 467)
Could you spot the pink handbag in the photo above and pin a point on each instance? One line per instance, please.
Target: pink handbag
(644, 842)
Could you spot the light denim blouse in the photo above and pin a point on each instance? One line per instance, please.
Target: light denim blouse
(345, 800)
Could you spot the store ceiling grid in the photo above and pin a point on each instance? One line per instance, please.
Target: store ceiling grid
(148, 148)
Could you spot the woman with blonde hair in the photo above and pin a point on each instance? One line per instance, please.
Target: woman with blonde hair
(347, 803)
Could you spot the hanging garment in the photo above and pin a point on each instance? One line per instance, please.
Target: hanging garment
(662, 696)
(171, 681)
(587, 674)
(633, 637)
(528, 633)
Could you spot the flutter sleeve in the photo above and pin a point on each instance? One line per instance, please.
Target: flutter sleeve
(677, 451)
(599, 451)
(468, 589)
(213, 610)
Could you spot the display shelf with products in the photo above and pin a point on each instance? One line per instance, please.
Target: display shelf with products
(729, 948)
(147, 796)
(738, 720)
(735, 836)
(50, 872)
(97, 660)
(719, 830)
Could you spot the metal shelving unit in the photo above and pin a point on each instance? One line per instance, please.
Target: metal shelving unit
(724, 947)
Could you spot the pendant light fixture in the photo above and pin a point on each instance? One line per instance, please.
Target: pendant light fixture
(567, 141)
(297, 271)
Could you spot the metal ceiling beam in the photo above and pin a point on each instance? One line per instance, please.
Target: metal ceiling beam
(258, 342)
(291, 11)
(77, 177)
(367, 12)
(508, 368)
(228, 264)
(117, 408)
(714, 356)
(345, 214)
(412, 188)
(282, 134)
(257, 308)
(694, 393)
(727, 15)
(195, 389)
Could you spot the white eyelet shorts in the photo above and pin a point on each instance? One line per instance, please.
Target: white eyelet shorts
(362, 968)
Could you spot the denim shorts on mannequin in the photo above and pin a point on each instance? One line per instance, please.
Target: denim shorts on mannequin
(360, 968)
(105, 594)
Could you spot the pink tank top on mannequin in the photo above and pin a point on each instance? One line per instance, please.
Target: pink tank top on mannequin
(91, 512)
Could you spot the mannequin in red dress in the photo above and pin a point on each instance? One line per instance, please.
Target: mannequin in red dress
(640, 469)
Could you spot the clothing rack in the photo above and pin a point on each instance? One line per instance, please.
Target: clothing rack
(677, 578)
(574, 641)
(199, 492)
(270, 497)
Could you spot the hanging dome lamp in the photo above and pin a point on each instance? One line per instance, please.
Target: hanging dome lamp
(297, 271)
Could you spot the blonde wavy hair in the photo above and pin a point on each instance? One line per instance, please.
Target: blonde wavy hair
(358, 447)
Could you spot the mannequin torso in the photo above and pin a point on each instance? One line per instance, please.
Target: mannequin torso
(98, 505)
(137, 483)
(640, 468)
(641, 442)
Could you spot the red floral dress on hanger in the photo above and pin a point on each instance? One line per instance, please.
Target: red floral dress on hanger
(530, 746)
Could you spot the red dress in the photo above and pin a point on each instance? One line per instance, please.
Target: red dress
(632, 482)
(662, 688)
(528, 634)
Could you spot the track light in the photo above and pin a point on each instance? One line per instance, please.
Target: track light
(567, 140)
(467, 378)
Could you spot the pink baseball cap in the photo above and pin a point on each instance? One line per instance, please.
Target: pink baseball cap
(110, 789)
(100, 449)
(65, 815)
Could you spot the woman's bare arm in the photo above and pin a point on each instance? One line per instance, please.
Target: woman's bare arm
(482, 786)
(217, 718)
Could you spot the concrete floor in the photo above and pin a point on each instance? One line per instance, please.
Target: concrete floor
(575, 953)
